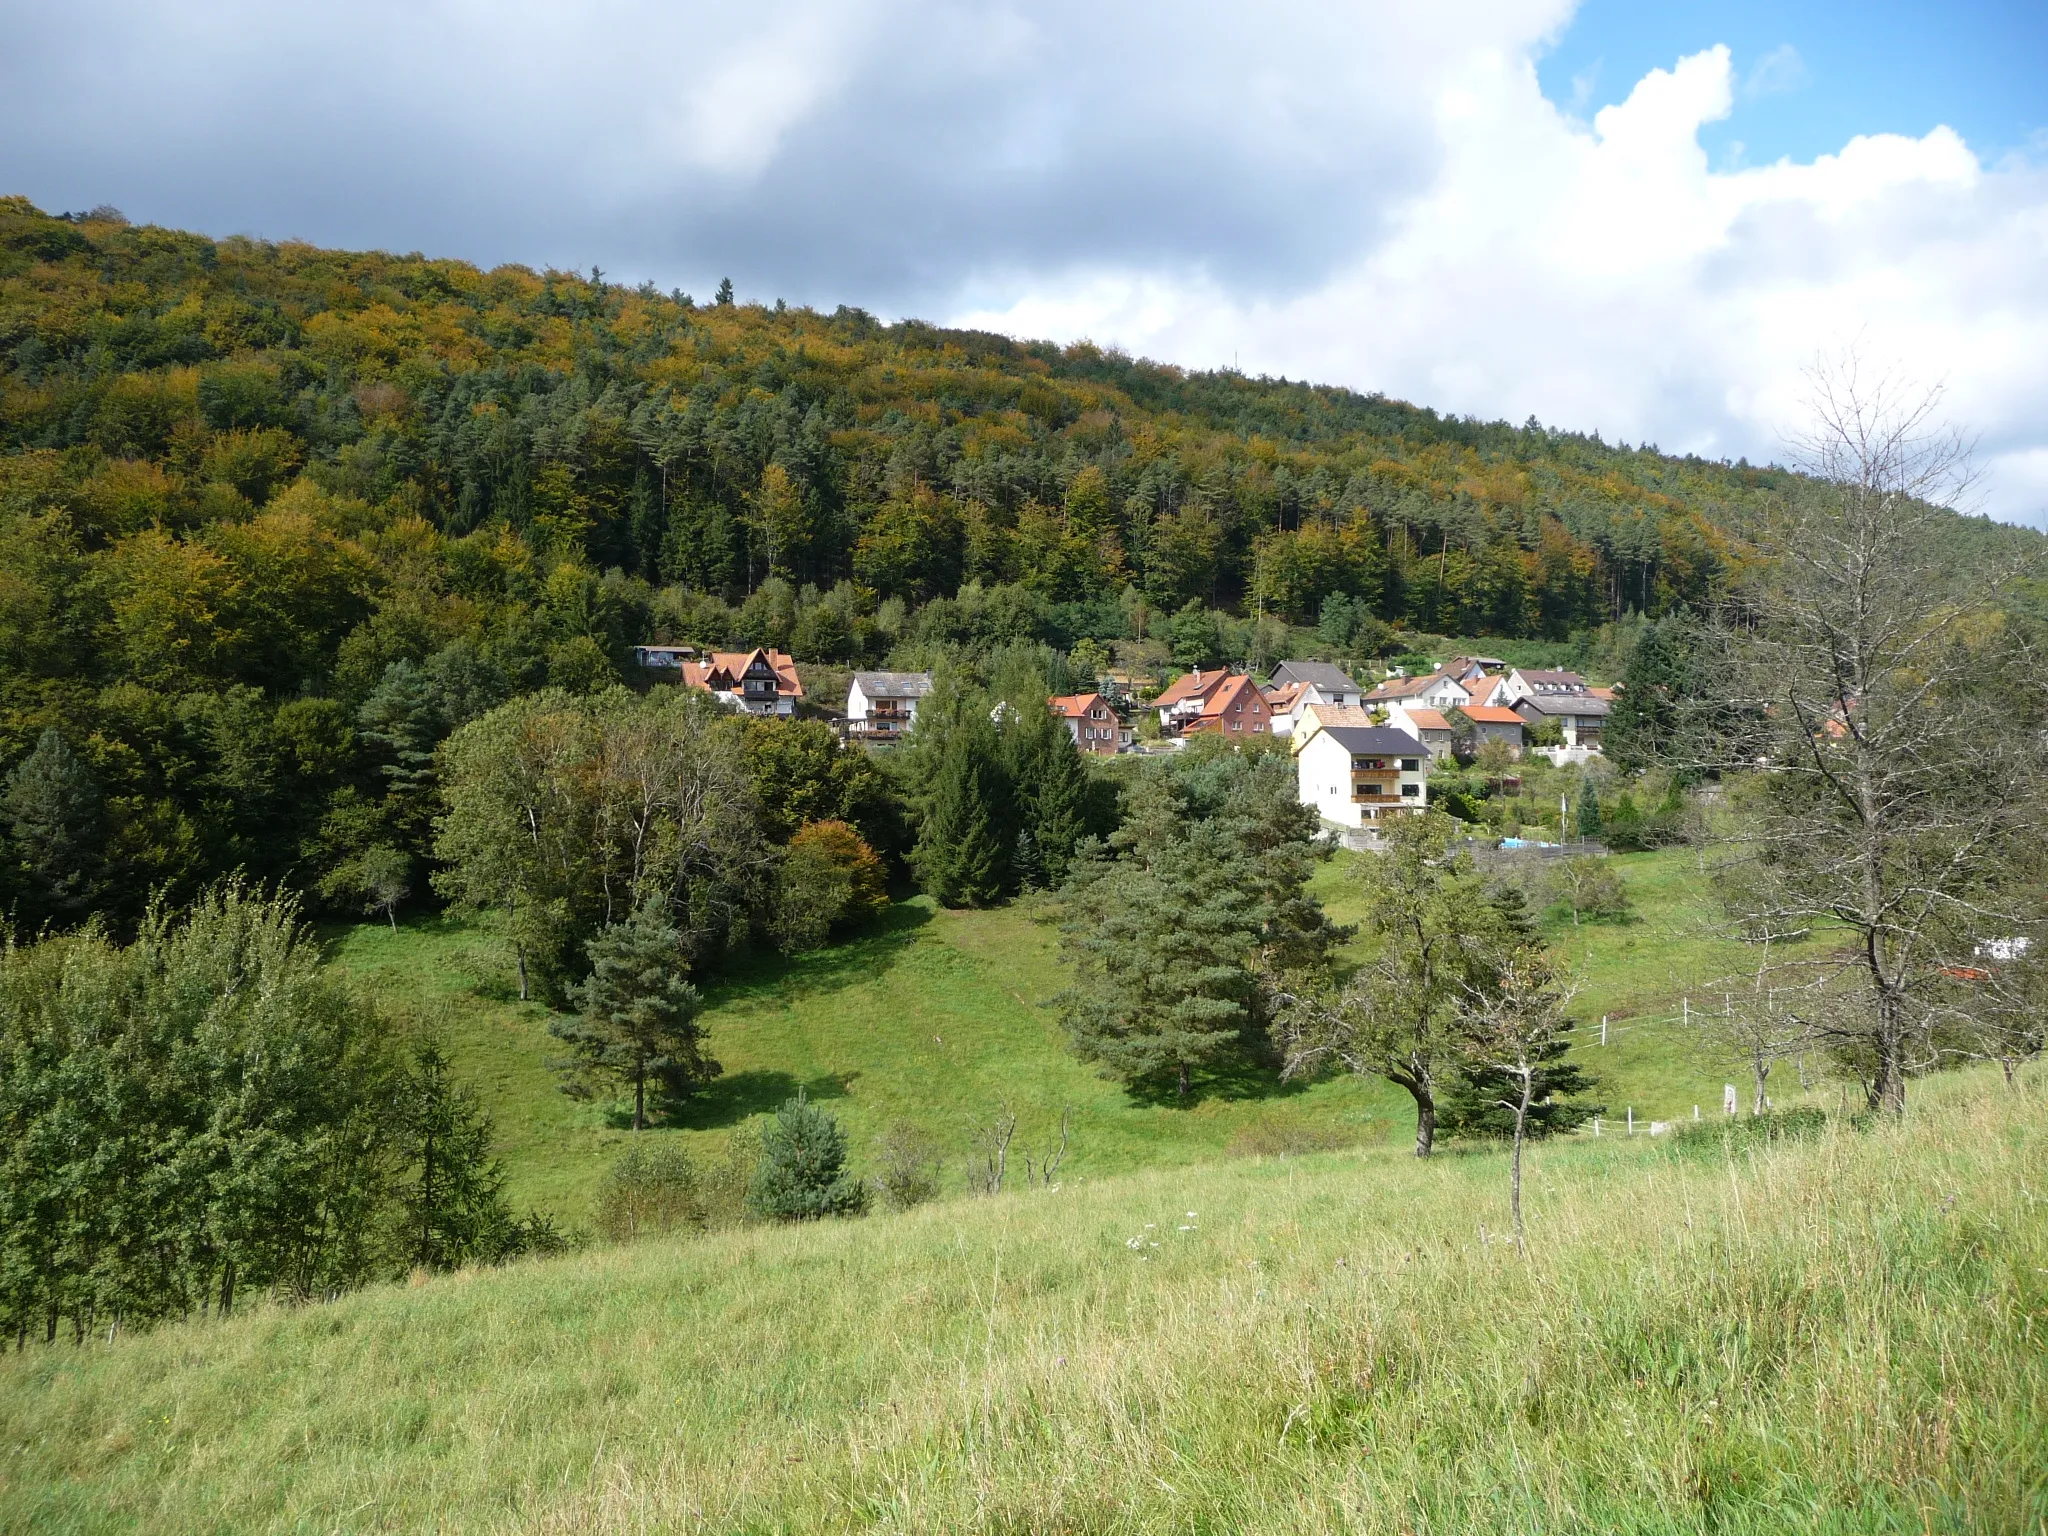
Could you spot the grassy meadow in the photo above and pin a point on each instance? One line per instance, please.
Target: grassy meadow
(1848, 1334)
(940, 1018)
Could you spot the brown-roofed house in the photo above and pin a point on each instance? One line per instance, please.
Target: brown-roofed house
(1237, 709)
(761, 682)
(1091, 720)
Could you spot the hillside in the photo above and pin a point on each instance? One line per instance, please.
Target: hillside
(1841, 1335)
(939, 1019)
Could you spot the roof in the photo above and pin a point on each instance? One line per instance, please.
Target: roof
(1323, 674)
(894, 685)
(1075, 706)
(1282, 697)
(1409, 687)
(721, 671)
(1232, 692)
(1583, 704)
(1570, 682)
(1490, 714)
(1603, 693)
(1381, 739)
(1426, 719)
(1190, 685)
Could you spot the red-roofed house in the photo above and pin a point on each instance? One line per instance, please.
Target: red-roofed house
(1183, 698)
(760, 682)
(1496, 722)
(1092, 723)
(1426, 725)
(1237, 709)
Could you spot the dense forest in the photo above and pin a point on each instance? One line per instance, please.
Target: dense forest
(275, 521)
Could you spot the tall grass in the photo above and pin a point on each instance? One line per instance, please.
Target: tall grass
(1845, 1333)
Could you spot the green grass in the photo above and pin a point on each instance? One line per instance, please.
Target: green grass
(939, 1018)
(1848, 1334)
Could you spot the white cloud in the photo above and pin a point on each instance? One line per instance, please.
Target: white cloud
(1607, 277)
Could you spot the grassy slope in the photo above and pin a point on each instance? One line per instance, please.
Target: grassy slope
(938, 1019)
(1842, 1336)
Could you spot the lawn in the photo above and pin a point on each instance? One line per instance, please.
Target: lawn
(1842, 1335)
(940, 1018)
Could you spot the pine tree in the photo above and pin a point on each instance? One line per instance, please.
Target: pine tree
(1051, 795)
(637, 1020)
(1165, 952)
(1473, 1105)
(963, 852)
(454, 1202)
(1589, 811)
(404, 721)
(802, 1174)
(723, 298)
(55, 814)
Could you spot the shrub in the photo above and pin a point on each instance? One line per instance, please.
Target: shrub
(802, 1175)
(1734, 1133)
(1279, 1138)
(831, 880)
(652, 1189)
(909, 1172)
(1590, 887)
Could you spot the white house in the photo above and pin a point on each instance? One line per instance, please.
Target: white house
(1439, 690)
(759, 682)
(881, 706)
(1355, 775)
(1532, 682)
(1426, 725)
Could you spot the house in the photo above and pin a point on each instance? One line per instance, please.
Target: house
(1531, 682)
(1426, 725)
(1472, 669)
(1284, 705)
(881, 706)
(1580, 716)
(664, 658)
(1330, 683)
(761, 682)
(1489, 688)
(1438, 690)
(1355, 775)
(1496, 722)
(1092, 722)
(1318, 717)
(1184, 697)
(1237, 708)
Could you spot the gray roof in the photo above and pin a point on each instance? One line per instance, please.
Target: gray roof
(1571, 682)
(1584, 705)
(1322, 674)
(894, 685)
(1379, 740)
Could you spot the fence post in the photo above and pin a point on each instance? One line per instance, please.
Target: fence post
(1631, 1119)
(1603, 1029)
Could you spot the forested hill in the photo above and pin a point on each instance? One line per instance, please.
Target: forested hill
(182, 383)
(274, 520)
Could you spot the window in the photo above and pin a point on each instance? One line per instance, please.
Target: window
(1411, 765)
(1410, 791)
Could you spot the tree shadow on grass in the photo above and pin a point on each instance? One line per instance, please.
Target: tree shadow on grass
(738, 1096)
(1232, 1082)
(862, 957)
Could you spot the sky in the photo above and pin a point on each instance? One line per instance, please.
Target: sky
(1642, 219)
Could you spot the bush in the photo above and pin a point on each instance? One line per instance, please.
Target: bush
(1271, 1138)
(1735, 1133)
(831, 880)
(909, 1173)
(802, 1175)
(652, 1189)
(1590, 887)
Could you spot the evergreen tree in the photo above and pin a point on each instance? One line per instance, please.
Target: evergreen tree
(1589, 810)
(723, 298)
(802, 1174)
(637, 1020)
(1476, 1101)
(1051, 794)
(56, 817)
(1165, 951)
(963, 847)
(403, 721)
(454, 1209)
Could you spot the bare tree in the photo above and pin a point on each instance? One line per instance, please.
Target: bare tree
(1042, 1167)
(991, 1142)
(1899, 739)
(1511, 1032)
(1766, 1018)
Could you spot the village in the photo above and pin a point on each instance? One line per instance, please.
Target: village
(1362, 752)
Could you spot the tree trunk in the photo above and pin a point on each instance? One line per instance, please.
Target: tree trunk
(392, 913)
(1425, 1122)
(1515, 1163)
(2008, 1066)
(1762, 1069)
(1183, 1080)
(640, 1102)
(519, 950)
